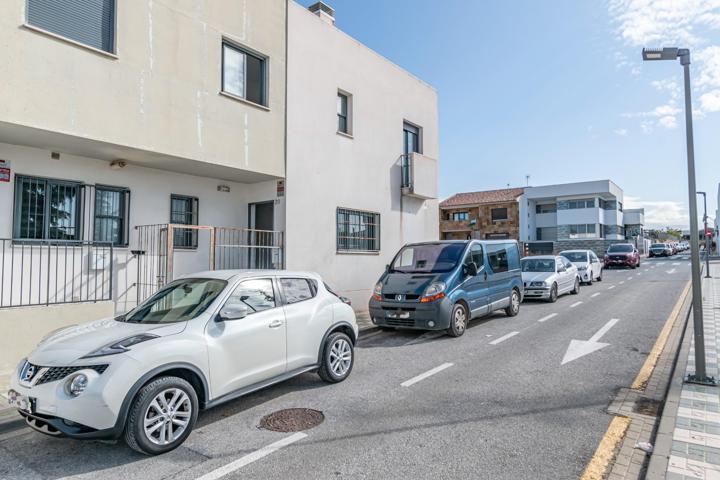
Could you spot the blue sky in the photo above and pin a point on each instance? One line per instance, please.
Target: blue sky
(557, 90)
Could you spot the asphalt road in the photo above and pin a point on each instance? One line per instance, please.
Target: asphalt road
(496, 403)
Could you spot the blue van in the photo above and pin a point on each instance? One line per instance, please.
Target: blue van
(443, 285)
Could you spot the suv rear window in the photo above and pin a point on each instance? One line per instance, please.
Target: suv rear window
(297, 289)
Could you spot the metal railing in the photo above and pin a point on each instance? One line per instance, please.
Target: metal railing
(406, 171)
(48, 272)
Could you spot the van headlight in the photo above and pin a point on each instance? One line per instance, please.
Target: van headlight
(435, 291)
(76, 384)
(121, 346)
(377, 292)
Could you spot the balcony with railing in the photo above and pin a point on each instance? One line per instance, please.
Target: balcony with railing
(419, 176)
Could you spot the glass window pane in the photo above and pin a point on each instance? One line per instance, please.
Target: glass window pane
(296, 289)
(233, 71)
(62, 212)
(256, 294)
(255, 79)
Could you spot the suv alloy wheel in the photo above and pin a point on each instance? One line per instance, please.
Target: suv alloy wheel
(338, 358)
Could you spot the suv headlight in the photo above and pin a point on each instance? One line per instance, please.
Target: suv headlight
(121, 346)
(434, 291)
(76, 384)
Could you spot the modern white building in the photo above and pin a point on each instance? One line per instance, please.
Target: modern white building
(142, 140)
(577, 215)
(359, 129)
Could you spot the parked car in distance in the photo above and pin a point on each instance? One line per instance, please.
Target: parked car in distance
(589, 266)
(549, 276)
(443, 285)
(660, 250)
(198, 342)
(622, 255)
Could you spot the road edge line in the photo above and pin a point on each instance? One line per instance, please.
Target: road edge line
(605, 452)
(641, 380)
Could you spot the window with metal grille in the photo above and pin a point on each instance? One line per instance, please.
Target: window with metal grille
(358, 231)
(243, 74)
(112, 205)
(184, 211)
(46, 209)
(90, 22)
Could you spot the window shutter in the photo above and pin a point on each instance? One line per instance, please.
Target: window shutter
(91, 22)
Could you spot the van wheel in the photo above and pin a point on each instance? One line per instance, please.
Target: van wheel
(576, 289)
(338, 358)
(514, 307)
(162, 416)
(458, 321)
(553, 293)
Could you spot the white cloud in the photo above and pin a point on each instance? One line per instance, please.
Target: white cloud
(666, 116)
(621, 131)
(646, 126)
(668, 122)
(660, 213)
(710, 102)
(684, 23)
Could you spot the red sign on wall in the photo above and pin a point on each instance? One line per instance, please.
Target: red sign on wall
(4, 170)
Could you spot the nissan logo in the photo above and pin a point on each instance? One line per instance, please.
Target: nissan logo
(28, 372)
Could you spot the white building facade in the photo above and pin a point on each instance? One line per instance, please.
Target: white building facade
(150, 139)
(362, 150)
(577, 215)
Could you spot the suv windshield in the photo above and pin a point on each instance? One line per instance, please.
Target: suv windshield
(575, 256)
(179, 301)
(538, 265)
(428, 258)
(622, 248)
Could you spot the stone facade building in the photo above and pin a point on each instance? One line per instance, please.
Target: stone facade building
(489, 215)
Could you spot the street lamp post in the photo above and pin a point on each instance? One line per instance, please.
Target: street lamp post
(705, 235)
(683, 54)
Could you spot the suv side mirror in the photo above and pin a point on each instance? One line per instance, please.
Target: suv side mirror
(561, 268)
(471, 269)
(232, 312)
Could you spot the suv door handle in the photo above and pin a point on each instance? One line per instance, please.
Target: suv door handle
(275, 324)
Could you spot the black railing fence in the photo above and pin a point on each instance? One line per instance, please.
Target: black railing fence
(47, 272)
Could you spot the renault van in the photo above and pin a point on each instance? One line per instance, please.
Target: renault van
(443, 285)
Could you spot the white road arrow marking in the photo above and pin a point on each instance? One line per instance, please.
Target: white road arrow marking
(672, 270)
(580, 348)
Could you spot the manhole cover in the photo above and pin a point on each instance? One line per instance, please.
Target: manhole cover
(292, 420)
(647, 406)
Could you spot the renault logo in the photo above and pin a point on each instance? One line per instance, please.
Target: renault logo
(399, 297)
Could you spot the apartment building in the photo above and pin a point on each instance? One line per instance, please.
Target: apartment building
(143, 140)
(546, 219)
(362, 150)
(489, 215)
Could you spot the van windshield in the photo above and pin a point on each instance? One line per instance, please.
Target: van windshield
(428, 258)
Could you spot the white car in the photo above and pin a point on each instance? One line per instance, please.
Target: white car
(200, 341)
(549, 276)
(589, 266)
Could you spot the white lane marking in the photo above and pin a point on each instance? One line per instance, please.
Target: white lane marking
(576, 304)
(611, 287)
(580, 348)
(676, 263)
(638, 273)
(547, 317)
(595, 294)
(671, 271)
(425, 375)
(252, 457)
(621, 282)
(503, 338)
(629, 278)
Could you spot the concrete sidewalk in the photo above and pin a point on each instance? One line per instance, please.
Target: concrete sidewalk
(687, 445)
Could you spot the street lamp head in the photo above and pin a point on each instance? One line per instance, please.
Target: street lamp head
(660, 53)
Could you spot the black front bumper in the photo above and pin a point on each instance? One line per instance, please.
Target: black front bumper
(413, 315)
(57, 427)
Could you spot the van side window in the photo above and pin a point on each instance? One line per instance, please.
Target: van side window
(513, 256)
(475, 255)
(498, 258)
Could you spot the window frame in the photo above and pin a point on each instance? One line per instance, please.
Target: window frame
(348, 113)
(376, 239)
(125, 219)
(501, 249)
(466, 215)
(194, 233)
(112, 53)
(492, 214)
(311, 286)
(17, 213)
(264, 63)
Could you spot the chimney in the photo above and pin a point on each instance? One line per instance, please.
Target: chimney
(326, 13)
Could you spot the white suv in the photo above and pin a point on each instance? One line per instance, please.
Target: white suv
(200, 341)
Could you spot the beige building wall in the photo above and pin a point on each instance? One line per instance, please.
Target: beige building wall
(159, 94)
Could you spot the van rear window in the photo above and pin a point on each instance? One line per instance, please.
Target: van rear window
(428, 258)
